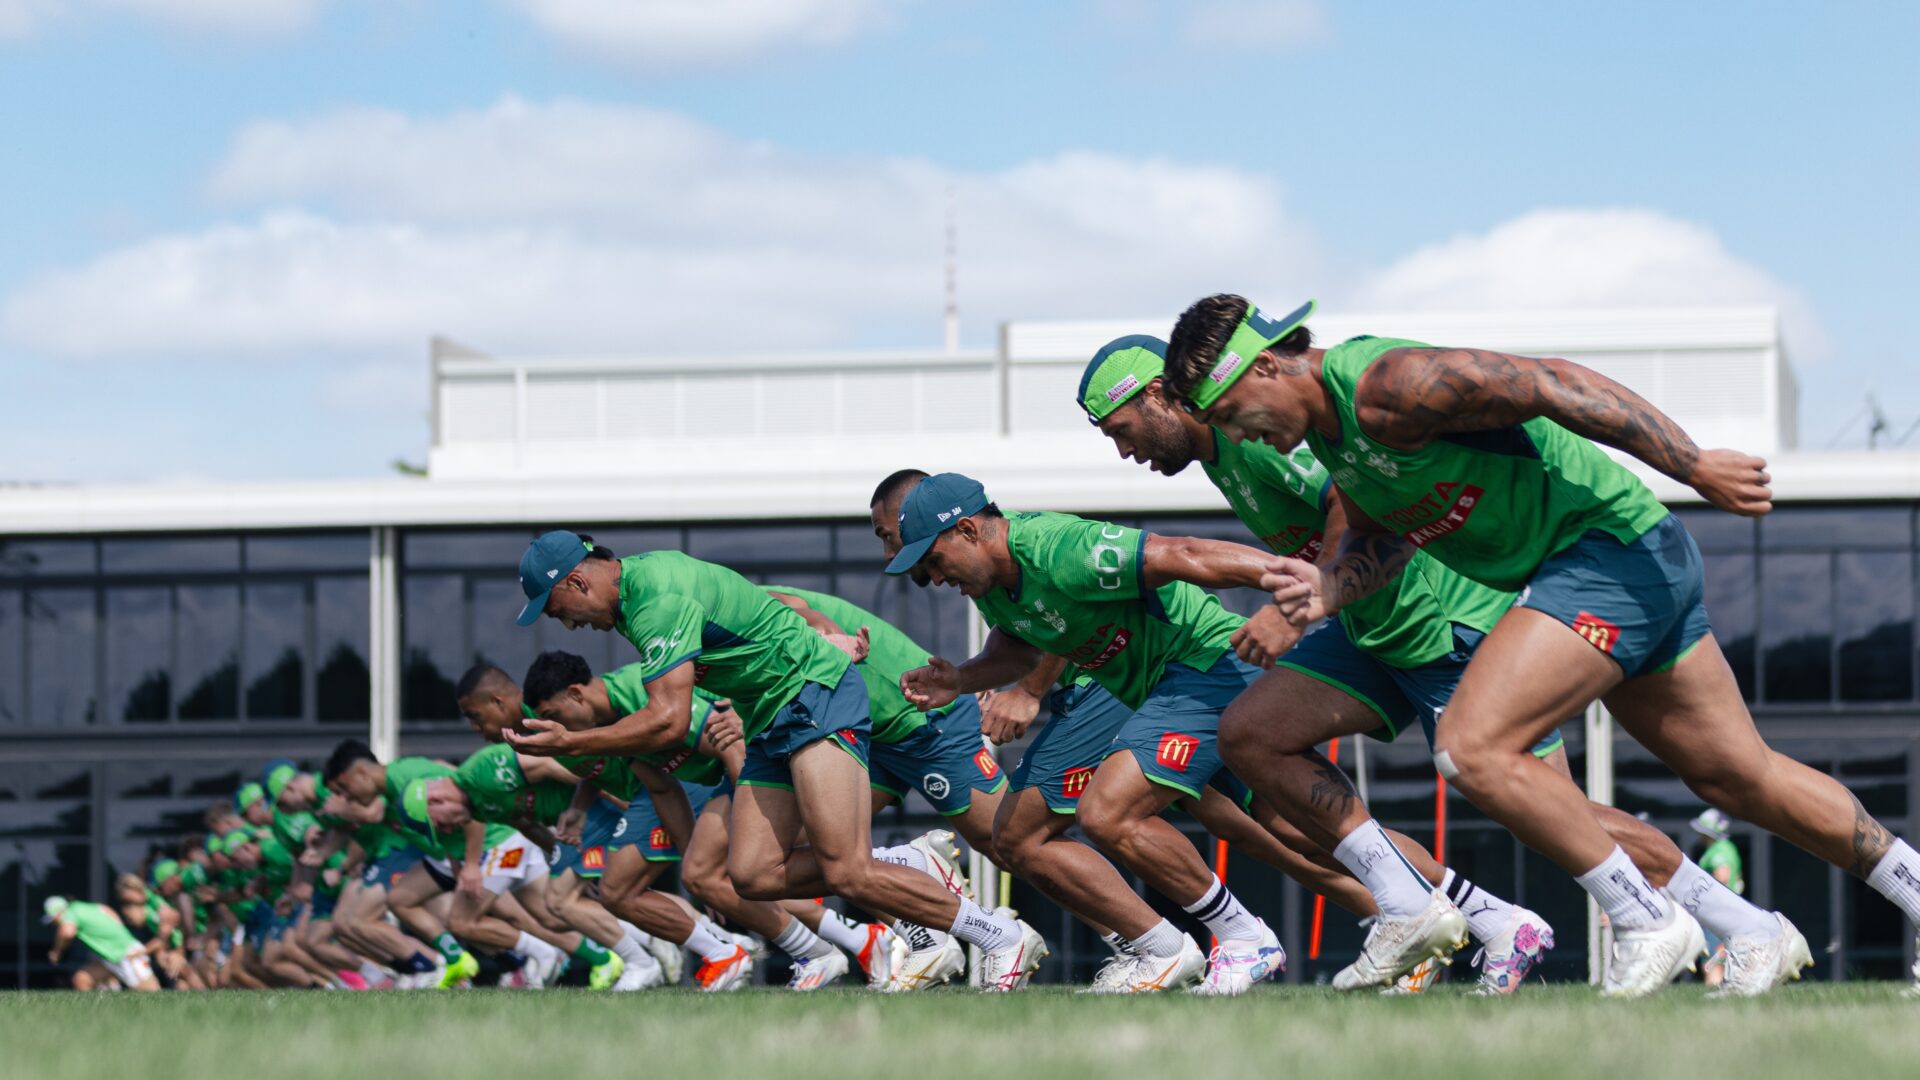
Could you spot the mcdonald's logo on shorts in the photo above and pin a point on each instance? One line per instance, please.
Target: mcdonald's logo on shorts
(658, 840)
(1176, 750)
(511, 858)
(989, 767)
(594, 858)
(1599, 633)
(1075, 781)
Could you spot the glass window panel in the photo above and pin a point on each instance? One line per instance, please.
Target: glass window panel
(497, 639)
(171, 554)
(276, 637)
(787, 544)
(309, 551)
(207, 673)
(481, 548)
(139, 653)
(433, 618)
(343, 686)
(1797, 627)
(1875, 625)
(1222, 527)
(13, 642)
(1818, 528)
(1717, 530)
(42, 558)
(45, 798)
(857, 546)
(1733, 610)
(62, 647)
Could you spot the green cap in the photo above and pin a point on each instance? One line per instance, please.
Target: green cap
(279, 775)
(1255, 335)
(248, 794)
(163, 870)
(1122, 368)
(413, 803)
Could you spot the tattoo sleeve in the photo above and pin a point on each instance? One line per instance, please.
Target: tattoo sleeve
(1366, 562)
(1409, 396)
(1870, 840)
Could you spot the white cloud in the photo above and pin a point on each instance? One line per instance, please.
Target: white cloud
(1572, 258)
(1265, 25)
(18, 18)
(680, 34)
(576, 227)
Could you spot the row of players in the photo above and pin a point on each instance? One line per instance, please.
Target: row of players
(1450, 529)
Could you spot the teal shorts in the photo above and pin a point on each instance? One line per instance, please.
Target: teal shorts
(1643, 604)
(817, 712)
(644, 827)
(1081, 726)
(946, 759)
(1401, 696)
(1175, 733)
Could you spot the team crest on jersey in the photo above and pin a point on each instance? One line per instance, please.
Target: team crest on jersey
(1599, 633)
(658, 651)
(594, 858)
(1052, 618)
(1075, 781)
(658, 840)
(1176, 750)
(989, 767)
(1244, 490)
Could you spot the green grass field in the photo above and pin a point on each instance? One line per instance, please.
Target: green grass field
(1831, 1032)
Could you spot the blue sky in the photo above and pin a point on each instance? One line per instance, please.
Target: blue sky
(231, 225)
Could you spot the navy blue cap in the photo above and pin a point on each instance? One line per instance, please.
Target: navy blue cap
(549, 558)
(935, 505)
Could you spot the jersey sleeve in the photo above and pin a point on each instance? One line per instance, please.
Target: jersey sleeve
(626, 689)
(667, 633)
(1095, 560)
(1300, 474)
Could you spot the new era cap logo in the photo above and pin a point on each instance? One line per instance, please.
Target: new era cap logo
(1226, 367)
(948, 515)
(553, 573)
(1123, 388)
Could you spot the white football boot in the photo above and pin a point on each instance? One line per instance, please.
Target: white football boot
(1643, 961)
(1234, 966)
(1397, 946)
(943, 860)
(814, 972)
(924, 958)
(1151, 974)
(1006, 969)
(1756, 964)
(1505, 958)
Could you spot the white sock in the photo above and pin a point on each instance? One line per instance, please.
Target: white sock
(641, 937)
(902, 855)
(1487, 915)
(711, 946)
(1165, 939)
(842, 931)
(1223, 915)
(976, 925)
(1718, 908)
(1897, 877)
(633, 953)
(1625, 894)
(1120, 945)
(801, 943)
(373, 972)
(531, 946)
(1396, 886)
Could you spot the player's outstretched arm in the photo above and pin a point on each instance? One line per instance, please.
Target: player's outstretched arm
(661, 724)
(1006, 714)
(855, 645)
(1368, 558)
(1410, 396)
(669, 801)
(1000, 661)
(1210, 564)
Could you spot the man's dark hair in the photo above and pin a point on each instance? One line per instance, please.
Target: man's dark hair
(477, 676)
(598, 552)
(552, 672)
(344, 756)
(991, 511)
(1202, 333)
(894, 484)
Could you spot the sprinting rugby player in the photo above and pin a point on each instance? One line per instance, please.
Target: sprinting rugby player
(1483, 460)
(805, 717)
(99, 929)
(1388, 661)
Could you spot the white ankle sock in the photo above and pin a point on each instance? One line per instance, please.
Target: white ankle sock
(1625, 894)
(710, 946)
(801, 943)
(1396, 886)
(902, 855)
(842, 931)
(532, 947)
(1164, 939)
(1897, 877)
(1224, 915)
(1487, 915)
(976, 925)
(640, 937)
(1718, 908)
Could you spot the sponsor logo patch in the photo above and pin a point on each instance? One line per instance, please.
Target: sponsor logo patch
(936, 785)
(851, 736)
(594, 858)
(1435, 515)
(511, 858)
(1124, 387)
(1075, 781)
(1224, 370)
(1599, 633)
(1093, 654)
(989, 767)
(1176, 750)
(658, 840)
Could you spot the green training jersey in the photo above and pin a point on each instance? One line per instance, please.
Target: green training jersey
(421, 834)
(99, 930)
(1492, 505)
(891, 655)
(150, 925)
(1283, 499)
(744, 645)
(627, 692)
(1723, 853)
(500, 791)
(1083, 596)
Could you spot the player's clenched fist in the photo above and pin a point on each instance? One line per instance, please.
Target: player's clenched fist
(931, 687)
(1735, 482)
(1295, 585)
